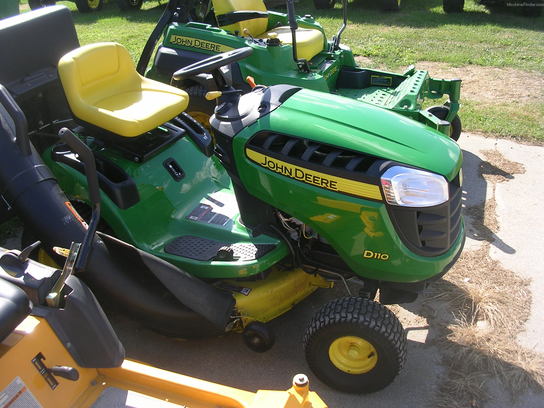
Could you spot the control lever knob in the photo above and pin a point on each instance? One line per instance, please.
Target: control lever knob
(69, 373)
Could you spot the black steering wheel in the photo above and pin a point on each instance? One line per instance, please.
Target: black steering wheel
(212, 63)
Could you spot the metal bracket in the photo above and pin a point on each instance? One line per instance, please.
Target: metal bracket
(53, 298)
(44, 371)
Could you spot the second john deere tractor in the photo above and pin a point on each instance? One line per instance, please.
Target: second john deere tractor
(288, 49)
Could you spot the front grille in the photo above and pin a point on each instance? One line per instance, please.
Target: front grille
(430, 231)
(313, 155)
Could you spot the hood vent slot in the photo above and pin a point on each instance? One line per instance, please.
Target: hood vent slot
(311, 154)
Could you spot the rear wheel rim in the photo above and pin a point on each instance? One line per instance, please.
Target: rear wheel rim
(353, 355)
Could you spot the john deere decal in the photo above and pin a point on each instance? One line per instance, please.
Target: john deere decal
(315, 178)
(200, 44)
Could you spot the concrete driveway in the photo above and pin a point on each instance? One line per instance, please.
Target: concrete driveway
(516, 241)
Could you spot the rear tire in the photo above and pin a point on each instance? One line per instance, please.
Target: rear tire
(441, 112)
(355, 345)
(126, 5)
(324, 4)
(36, 4)
(453, 6)
(86, 6)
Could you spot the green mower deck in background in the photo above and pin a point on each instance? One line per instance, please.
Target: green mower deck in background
(333, 69)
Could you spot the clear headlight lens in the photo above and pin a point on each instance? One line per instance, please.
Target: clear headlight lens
(408, 187)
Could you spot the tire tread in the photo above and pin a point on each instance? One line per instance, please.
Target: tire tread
(362, 311)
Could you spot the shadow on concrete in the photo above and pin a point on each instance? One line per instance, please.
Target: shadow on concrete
(476, 190)
(228, 361)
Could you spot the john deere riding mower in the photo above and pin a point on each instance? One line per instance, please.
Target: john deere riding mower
(57, 348)
(288, 49)
(296, 190)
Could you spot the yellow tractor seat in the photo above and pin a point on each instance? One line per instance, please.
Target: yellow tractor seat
(310, 42)
(103, 89)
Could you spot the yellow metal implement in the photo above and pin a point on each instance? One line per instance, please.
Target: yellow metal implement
(134, 384)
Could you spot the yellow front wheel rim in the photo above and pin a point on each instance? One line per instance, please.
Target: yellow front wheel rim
(353, 355)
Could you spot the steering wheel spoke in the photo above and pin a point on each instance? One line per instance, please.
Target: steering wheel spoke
(212, 63)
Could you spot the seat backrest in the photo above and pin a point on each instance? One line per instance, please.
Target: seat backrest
(254, 27)
(32, 42)
(31, 45)
(96, 71)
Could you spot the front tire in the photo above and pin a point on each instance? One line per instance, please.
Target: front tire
(355, 345)
(86, 6)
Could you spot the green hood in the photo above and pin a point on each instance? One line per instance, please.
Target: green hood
(350, 124)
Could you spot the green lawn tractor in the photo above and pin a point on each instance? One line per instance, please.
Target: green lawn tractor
(58, 350)
(288, 50)
(204, 234)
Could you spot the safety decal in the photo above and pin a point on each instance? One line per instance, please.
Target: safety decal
(17, 395)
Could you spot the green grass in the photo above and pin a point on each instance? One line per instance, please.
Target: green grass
(420, 31)
(521, 122)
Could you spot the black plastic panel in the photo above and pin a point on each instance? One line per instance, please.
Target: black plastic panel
(169, 60)
(363, 78)
(113, 180)
(430, 231)
(83, 328)
(14, 308)
(35, 41)
(31, 46)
